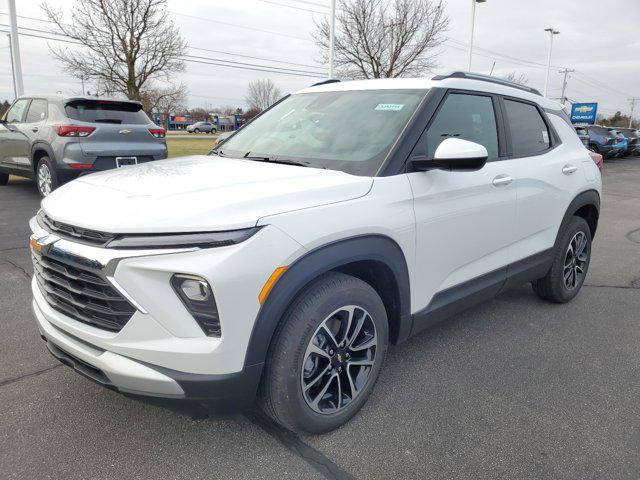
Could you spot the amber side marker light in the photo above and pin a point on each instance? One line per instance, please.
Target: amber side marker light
(35, 246)
(271, 281)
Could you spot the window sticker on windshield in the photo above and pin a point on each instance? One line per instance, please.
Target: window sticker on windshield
(390, 107)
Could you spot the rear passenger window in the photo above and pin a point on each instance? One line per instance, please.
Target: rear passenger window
(529, 133)
(470, 117)
(37, 111)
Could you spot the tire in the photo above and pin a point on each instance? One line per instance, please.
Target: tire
(4, 179)
(46, 186)
(292, 361)
(197, 130)
(554, 287)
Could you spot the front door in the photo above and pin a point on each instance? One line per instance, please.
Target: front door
(14, 145)
(465, 221)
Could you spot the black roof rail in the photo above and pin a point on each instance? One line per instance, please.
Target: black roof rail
(487, 78)
(324, 82)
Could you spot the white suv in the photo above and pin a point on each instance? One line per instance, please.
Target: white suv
(348, 216)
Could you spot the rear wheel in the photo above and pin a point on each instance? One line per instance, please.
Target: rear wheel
(4, 179)
(326, 356)
(46, 177)
(570, 264)
(197, 130)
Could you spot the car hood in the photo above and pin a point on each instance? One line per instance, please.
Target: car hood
(197, 193)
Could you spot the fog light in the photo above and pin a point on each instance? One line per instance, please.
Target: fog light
(197, 296)
(196, 290)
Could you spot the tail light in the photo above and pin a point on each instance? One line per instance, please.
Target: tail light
(157, 132)
(598, 160)
(73, 131)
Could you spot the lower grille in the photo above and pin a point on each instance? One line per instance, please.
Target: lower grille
(81, 294)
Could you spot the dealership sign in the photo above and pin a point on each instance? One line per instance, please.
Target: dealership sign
(584, 113)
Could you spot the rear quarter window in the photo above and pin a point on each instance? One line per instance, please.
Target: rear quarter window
(529, 132)
(106, 112)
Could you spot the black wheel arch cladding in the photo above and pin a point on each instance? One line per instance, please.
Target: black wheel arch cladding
(336, 256)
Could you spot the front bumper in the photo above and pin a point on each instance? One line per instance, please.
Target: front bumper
(161, 351)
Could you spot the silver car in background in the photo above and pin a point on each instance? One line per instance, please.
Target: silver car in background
(54, 139)
(205, 127)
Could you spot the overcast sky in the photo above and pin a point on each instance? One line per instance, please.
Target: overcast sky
(599, 39)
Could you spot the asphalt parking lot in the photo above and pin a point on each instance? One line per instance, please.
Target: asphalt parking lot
(514, 389)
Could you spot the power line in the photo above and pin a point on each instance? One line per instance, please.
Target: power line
(255, 58)
(211, 20)
(209, 60)
(291, 6)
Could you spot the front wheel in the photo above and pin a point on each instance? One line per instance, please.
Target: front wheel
(326, 356)
(570, 264)
(197, 130)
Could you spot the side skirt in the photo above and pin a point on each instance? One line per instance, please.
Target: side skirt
(456, 299)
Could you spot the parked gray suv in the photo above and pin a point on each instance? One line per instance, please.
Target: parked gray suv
(206, 127)
(54, 139)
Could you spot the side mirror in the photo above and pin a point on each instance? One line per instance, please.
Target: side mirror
(455, 154)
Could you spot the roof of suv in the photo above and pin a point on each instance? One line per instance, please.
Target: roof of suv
(65, 99)
(457, 80)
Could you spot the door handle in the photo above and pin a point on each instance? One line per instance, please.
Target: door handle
(34, 129)
(569, 169)
(502, 181)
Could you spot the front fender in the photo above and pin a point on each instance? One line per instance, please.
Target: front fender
(313, 264)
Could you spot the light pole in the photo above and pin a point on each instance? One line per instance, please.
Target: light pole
(633, 105)
(15, 50)
(473, 22)
(552, 31)
(332, 36)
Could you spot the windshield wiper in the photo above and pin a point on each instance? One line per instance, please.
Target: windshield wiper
(273, 159)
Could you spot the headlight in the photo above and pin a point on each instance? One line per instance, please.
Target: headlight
(197, 296)
(182, 240)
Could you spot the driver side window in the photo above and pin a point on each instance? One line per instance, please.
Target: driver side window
(16, 113)
(465, 116)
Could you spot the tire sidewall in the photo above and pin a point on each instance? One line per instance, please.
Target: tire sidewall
(299, 415)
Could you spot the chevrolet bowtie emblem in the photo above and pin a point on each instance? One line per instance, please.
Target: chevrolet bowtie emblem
(124, 132)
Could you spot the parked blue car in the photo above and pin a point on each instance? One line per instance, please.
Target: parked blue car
(602, 141)
(633, 140)
(621, 141)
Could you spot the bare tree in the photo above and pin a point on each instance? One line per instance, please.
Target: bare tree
(521, 79)
(129, 45)
(385, 38)
(261, 94)
(164, 100)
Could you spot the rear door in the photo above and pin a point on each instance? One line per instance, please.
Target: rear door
(14, 144)
(550, 173)
(121, 130)
(33, 122)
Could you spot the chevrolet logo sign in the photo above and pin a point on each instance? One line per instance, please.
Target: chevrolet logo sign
(584, 109)
(124, 132)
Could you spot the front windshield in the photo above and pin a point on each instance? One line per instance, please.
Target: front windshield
(351, 131)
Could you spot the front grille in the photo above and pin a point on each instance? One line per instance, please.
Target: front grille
(83, 235)
(81, 294)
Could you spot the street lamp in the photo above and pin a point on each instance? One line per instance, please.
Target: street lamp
(473, 21)
(552, 31)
